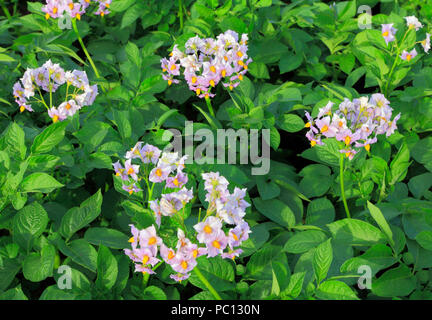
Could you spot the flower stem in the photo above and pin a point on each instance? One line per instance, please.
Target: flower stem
(207, 284)
(209, 106)
(341, 177)
(80, 40)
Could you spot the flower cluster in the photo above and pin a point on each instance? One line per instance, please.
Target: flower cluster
(355, 123)
(211, 235)
(206, 62)
(49, 78)
(57, 8)
(389, 32)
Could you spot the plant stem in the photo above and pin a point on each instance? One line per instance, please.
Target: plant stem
(394, 64)
(80, 40)
(209, 106)
(341, 177)
(207, 284)
(5, 10)
(180, 2)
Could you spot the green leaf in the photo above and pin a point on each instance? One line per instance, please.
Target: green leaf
(295, 284)
(219, 272)
(399, 165)
(154, 293)
(418, 185)
(49, 138)
(78, 217)
(38, 267)
(276, 211)
(356, 232)
(133, 54)
(28, 224)
(39, 182)
(424, 238)
(107, 269)
(110, 238)
(291, 123)
(323, 257)
(398, 282)
(304, 241)
(377, 257)
(15, 140)
(381, 221)
(335, 290)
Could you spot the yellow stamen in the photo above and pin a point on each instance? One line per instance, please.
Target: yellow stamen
(408, 57)
(130, 191)
(239, 54)
(367, 147)
(145, 259)
(131, 240)
(184, 265)
(194, 79)
(152, 241)
(164, 70)
(240, 77)
(68, 106)
(324, 128)
(176, 182)
(347, 140)
(198, 91)
(107, 5)
(173, 67)
(130, 171)
(208, 229)
(159, 172)
(169, 82)
(231, 87)
(213, 69)
(212, 83)
(225, 58)
(78, 16)
(55, 119)
(340, 124)
(216, 244)
(55, 10)
(223, 73)
(47, 16)
(245, 67)
(235, 236)
(102, 14)
(71, 5)
(195, 253)
(313, 143)
(22, 108)
(307, 125)
(385, 34)
(117, 174)
(240, 63)
(171, 255)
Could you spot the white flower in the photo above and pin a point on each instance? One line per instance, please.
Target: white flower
(413, 22)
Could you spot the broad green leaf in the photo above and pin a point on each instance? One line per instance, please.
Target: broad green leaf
(110, 238)
(78, 217)
(49, 138)
(107, 268)
(335, 290)
(323, 257)
(28, 224)
(398, 282)
(381, 221)
(39, 182)
(356, 232)
(276, 211)
(304, 241)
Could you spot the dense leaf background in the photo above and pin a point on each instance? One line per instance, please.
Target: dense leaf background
(60, 203)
